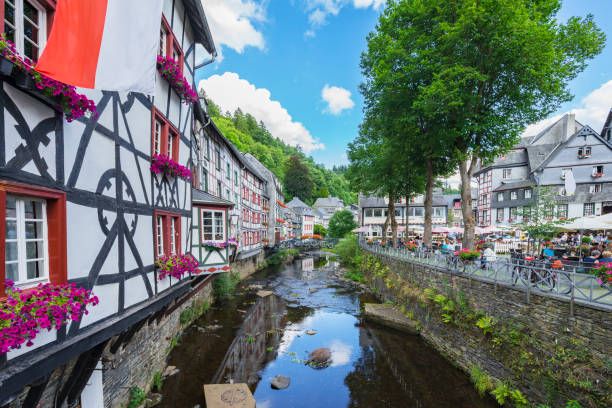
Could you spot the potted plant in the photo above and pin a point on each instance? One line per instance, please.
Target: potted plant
(603, 275)
(176, 265)
(468, 255)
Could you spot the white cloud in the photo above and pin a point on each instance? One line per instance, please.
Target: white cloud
(229, 91)
(232, 23)
(592, 111)
(319, 10)
(338, 99)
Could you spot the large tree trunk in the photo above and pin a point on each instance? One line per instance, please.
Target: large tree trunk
(469, 223)
(385, 226)
(428, 203)
(393, 220)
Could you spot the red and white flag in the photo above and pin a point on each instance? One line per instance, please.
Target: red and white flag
(104, 44)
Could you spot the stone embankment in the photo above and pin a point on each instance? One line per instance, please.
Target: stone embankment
(514, 347)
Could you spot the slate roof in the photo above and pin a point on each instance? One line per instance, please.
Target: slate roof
(514, 184)
(296, 203)
(537, 154)
(200, 197)
(329, 202)
(199, 24)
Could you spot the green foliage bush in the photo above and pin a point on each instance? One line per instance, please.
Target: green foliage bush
(137, 397)
(340, 224)
(224, 285)
(197, 309)
(482, 381)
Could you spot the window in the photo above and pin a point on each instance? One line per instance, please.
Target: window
(34, 227)
(438, 212)
(236, 177)
(207, 147)
(598, 171)
(219, 190)
(227, 194)
(167, 233)
(165, 137)
(368, 212)
(595, 188)
(398, 213)
(218, 158)
(157, 136)
(584, 151)
(229, 171)
(204, 180)
(513, 213)
(513, 195)
(168, 44)
(213, 226)
(26, 258)
(419, 211)
(25, 25)
(377, 212)
(506, 173)
(564, 172)
(562, 210)
(589, 209)
(527, 193)
(484, 199)
(500, 197)
(500, 215)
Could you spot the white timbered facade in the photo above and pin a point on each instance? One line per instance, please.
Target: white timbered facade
(81, 205)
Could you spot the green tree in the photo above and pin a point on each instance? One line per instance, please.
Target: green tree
(538, 217)
(323, 192)
(298, 182)
(340, 224)
(489, 68)
(319, 230)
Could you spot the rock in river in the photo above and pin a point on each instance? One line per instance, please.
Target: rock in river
(319, 358)
(280, 383)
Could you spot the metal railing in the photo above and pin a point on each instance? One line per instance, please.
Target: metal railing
(569, 281)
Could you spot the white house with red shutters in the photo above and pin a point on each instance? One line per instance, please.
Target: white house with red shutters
(81, 205)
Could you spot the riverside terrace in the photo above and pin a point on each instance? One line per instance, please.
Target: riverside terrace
(569, 283)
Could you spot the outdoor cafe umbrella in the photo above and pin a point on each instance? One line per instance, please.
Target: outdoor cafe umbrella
(587, 223)
(440, 230)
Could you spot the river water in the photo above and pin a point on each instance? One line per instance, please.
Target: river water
(250, 340)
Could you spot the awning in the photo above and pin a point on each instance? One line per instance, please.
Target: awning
(362, 229)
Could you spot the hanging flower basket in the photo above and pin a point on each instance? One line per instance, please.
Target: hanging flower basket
(47, 306)
(176, 265)
(280, 220)
(73, 104)
(266, 208)
(170, 70)
(160, 163)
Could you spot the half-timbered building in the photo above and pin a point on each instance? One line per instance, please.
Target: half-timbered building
(81, 205)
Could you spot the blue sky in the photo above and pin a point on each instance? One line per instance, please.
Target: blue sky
(293, 63)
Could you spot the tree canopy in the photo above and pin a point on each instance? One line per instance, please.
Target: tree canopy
(298, 182)
(458, 81)
(340, 224)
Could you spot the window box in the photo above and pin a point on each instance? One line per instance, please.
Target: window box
(176, 265)
(26, 313)
(280, 220)
(161, 163)
(597, 175)
(171, 71)
(57, 94)
(583, 155)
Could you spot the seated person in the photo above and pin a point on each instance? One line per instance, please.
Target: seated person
(488, 256)
(548, 252)
(606, 257)
(594, 256)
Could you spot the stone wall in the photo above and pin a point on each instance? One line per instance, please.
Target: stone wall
(247, 266)
(546, 319)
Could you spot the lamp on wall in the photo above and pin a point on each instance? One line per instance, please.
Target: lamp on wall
(234, 219)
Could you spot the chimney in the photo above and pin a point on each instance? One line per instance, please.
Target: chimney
(570, 125)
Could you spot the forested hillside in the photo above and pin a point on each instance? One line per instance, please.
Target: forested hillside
(248, 135)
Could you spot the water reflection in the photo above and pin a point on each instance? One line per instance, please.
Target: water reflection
(255, 342)
(371, 366)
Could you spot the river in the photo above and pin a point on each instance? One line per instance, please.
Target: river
(250, 340)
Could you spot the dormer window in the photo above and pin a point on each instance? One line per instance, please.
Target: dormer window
(595, 188)
(564, 173)
(584, 152)
(527, 193)
(506, 173)
(598, 171)
(500, 197)
(513, 195)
